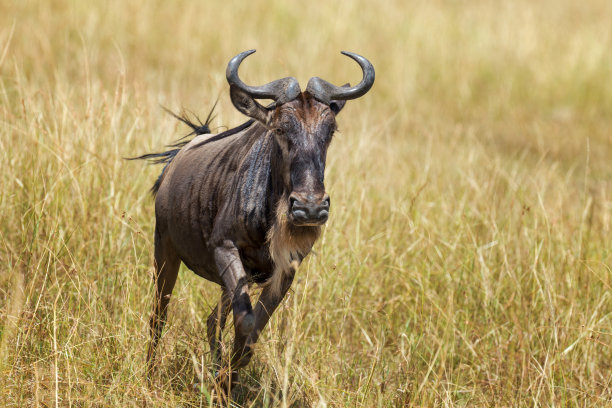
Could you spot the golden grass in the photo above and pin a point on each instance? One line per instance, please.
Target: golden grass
(467, 258)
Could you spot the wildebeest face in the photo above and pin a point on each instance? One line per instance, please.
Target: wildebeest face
(302, 124)
(303, 129)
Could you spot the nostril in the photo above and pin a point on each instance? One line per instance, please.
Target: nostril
(297, 208)
(313, 210)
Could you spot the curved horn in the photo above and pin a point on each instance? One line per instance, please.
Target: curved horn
(281, 90)
(326, 92)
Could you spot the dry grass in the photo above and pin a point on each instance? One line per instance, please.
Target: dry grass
(467, 258)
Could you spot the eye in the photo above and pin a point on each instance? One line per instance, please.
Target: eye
(279, 131)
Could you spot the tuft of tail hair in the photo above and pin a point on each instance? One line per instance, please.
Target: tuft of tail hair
(166, 157)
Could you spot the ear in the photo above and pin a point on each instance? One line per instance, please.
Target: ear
(248, 105)
(336, 106)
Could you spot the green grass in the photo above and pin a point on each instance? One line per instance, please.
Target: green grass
(467, 258)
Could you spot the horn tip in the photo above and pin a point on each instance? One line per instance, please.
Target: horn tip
(244, 54)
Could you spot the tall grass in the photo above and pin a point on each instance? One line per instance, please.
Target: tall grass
(467, 258)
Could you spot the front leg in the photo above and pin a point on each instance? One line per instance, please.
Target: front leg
(215, 324)
(235, 280)
(268, 301)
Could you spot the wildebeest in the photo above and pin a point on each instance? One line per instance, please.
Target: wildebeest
(246, 205)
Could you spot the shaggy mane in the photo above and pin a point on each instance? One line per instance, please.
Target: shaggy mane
(288, 245)
(196, 130)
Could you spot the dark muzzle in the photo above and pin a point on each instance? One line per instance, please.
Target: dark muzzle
(308, 211)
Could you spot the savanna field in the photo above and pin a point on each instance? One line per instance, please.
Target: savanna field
(466, 261)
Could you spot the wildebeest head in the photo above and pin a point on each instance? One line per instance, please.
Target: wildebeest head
(303, 124)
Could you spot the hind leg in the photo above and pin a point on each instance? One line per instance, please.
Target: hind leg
(167, 265)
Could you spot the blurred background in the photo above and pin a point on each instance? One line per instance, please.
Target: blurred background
(467, 257)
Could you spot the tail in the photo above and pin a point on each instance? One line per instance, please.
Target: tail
(167, 156)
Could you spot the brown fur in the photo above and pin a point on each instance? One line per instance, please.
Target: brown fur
(288, 245)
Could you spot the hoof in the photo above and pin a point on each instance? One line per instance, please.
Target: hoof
(197, 387)
(224, 380)
(218, 394)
